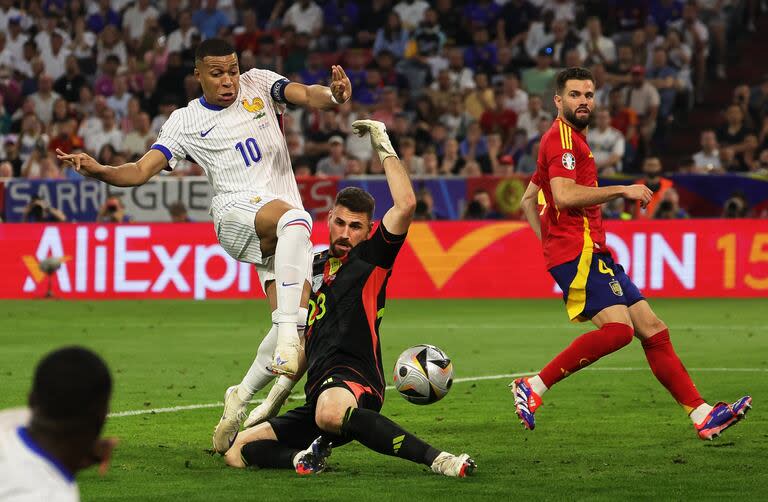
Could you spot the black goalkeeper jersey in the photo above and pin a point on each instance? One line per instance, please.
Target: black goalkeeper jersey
(345, 311)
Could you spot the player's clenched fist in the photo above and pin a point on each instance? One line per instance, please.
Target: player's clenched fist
(81, 162)
(638, 192)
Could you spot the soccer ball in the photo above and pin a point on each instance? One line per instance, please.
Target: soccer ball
(423, 374)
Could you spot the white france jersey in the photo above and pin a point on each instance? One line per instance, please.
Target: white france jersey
(27, 473)
(241, 147)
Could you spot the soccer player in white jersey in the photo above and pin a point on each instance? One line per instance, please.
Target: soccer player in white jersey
(44, 446)
(234, 133)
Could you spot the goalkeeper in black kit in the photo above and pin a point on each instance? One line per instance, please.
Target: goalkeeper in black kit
(345, 379)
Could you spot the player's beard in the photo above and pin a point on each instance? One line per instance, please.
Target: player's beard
(334, 250)
(570, 116)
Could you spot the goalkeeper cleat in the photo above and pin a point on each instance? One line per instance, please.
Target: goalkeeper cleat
(723, 416)
(285, 360)
(526, 402)
(380, 141)
(313, 459)
(454, 466)
(271, 405)
(226, 430)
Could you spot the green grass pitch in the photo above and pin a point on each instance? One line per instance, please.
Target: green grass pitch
(609, 432)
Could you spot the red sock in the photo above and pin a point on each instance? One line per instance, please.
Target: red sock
(669, 370)
(585, 350)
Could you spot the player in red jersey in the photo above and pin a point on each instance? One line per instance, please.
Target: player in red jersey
(594, 287)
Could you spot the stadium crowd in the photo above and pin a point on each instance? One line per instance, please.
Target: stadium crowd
(464, 87)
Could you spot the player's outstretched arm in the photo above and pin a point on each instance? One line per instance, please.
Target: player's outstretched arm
(398, 218)
(320, 96)
(530, 206)
(126, 175)
(568, 194)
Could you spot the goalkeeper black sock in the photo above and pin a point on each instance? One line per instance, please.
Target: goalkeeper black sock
(268, 453)
(382, 435)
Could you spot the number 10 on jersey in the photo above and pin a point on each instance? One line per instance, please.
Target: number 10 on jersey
(249, 150)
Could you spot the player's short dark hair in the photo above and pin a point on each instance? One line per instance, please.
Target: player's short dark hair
(70, 390)
(213, 47)
(356, 200)
(572, 73)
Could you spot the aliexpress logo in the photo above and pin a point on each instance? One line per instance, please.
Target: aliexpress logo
(442, 263)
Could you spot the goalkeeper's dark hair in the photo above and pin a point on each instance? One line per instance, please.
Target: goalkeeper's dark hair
(213, 47)
(572, 73)
(70, 391)
(356, 200)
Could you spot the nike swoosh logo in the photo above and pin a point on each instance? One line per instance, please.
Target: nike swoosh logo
(204, 134)
(290, 284)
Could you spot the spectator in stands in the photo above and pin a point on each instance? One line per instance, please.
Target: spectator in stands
(109, 133)
(515, 98)
(304, 16)
(462, 77)
(32, 136)
(481, 207)
(480, 99)
(696, 35)
(513, 24)
(596, 47)
(335, 164)
(736, 136)
(431, 164)
(615, 210)
(526, 163)
(474, 144)
(210, 19)
(140, 139)
(64, 136)
(103, 17)
(653, 179)
(391, 37)
(736, 206)
(451, 162)
(40, 210)
(11, 155)
(120, 97)
(644, 99)
(679, 55)
(607, 144)
(371, 15)
(425, 206)
(355, 167)
(135, 19)
(6, 170)
(482, 54)
(563, 40)
(113, 211)
(529, 120)
(498, 118)
(758, 101)
(411, 12)
(178, 213)
(708, 158)
(669, 207)
(417, 72)
(412, 162)
(666, 81)
(44, 98)
(491, 162)
(54, 55)
(69, 84)
(110, 44)
(540, 79)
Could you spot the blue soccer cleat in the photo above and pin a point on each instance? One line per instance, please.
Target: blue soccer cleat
(526, 402)
(722, 416)
(312, 460)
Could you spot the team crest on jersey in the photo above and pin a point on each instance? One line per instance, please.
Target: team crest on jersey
(569, 161)
(255, 106)
(616, 287)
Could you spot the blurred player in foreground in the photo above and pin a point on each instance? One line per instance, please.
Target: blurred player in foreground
(42, 448)
(594, 287)
(234, 132)
(345, 378)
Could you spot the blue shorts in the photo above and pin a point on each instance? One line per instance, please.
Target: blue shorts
(592, 282)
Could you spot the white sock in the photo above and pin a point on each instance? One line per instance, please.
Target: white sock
(537, 385)
(700, 413)
(291, 270)
(258, 375)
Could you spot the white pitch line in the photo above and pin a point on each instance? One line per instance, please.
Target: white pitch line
(174, 409)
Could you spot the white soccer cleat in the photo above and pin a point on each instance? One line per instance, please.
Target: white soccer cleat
(451, 465)
(271, 405)
(285, 360)
(379, 138)
(226, 430)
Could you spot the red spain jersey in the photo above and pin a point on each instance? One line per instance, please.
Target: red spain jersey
(566, 233)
